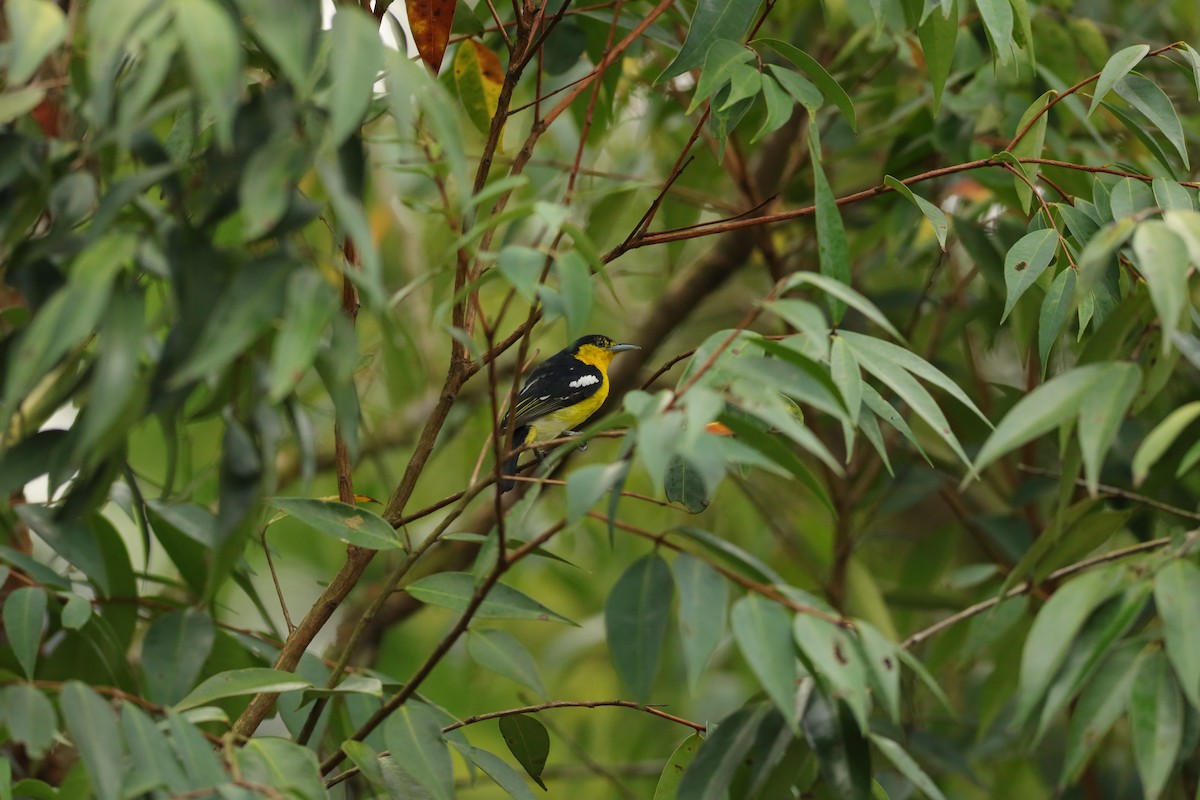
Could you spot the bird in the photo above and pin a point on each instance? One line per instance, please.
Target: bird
(561, 393)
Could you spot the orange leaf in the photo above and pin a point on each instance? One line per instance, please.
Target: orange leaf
(430, 21)
(718, 429)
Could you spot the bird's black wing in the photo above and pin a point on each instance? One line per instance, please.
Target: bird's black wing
(559, 382)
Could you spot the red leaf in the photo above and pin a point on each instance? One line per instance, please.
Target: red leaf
(46, 115)
(430, 21)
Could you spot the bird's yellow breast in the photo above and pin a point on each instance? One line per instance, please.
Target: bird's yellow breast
(553, 424)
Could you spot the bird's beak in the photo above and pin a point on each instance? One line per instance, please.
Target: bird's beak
(617, 348)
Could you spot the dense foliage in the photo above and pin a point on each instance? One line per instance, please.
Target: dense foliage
(898, 498)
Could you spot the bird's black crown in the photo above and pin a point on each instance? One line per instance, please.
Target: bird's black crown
(596, 340)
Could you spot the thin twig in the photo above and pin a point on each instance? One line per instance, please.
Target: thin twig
(536, 709)
(1060, 97)
(1027, 586)
(1114, 491)
(275, 579)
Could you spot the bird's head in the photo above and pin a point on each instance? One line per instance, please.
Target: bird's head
(598, 350)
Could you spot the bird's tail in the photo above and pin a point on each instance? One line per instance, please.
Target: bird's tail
(510, 466)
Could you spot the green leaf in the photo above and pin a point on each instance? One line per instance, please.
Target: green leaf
(1055, 306)
(880, 655)
(841, 748)
(907, 766)
(1031, 145)
(575, 290)
(1095, 640)
(713, 20)
(797, 87)
(414, 737)
(833, 251)
(881, 351)
(843, 292)
(1101, 413)
(998, 20)
(93, 728)
(267, 183)
(287, 34)
(214, 56)
(1162, 258)
(587, 485)
(1025, 262)
(1186, 225)
(14, 105)
(896, 378)
(939, 34)
(354, 65)
(703, 595)
(1097, 253)
(1101, 703)
(830, 88)
(246, 310)
(1177, 597)
(684, 484)
(363, 756)
(522, 268)
(712, 769)
(35, 28)
(24, 616)
(173, 653)
(1159, 440)
(497, 769)
(239, 682)
(117, 365)
(1053, 631)
(529, 743)
(635, 622)
(779, 107)
(847, 376)
(350, 524)
(504, 654)
(29, 718)
(311, 306)
(747, 563)
(1044, 409)
(1117, 67)
(722, 58)
(1148, 98)
(745, 83)
(1155, 724)
(1170, 196)
(200, 763)
(454, 590)
(936, 217)
(835, 658)
(149, 751)
(1189, 53)
(763, 633)
(676, 767)
(75, 540)
(68, 318)
(76, 612)
(285, 766)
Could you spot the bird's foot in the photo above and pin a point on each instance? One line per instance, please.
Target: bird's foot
(583, 446)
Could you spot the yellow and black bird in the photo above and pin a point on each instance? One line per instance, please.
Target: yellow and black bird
(564, 390)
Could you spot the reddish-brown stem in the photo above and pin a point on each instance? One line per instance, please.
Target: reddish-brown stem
(746, 583)
(537, 709)
(1058, 98)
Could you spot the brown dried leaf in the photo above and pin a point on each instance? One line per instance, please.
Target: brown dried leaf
(430, 21)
